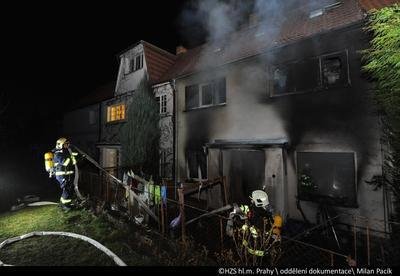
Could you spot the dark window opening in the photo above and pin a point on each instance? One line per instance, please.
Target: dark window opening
(192, 96)
(306, 75)
(311, 74)
(327, 177)
(334, 70)
(139, 62)
(197, 164)
(220, 91)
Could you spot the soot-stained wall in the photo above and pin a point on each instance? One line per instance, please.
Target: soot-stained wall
(340, 119)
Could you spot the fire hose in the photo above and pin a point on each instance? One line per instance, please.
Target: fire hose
(93, 242)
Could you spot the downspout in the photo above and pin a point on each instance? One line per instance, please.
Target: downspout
(174, 136)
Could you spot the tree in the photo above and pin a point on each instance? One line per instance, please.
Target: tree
(140, 135)
(383, 64)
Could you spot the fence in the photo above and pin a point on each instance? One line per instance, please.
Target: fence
(343, 240)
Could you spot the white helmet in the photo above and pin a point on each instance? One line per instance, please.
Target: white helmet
(259, 198)
(60, 142)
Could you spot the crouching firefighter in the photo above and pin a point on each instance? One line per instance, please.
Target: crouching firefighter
(255, 225)
(64, 161)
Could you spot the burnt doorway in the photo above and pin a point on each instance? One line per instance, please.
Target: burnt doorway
(245, 172)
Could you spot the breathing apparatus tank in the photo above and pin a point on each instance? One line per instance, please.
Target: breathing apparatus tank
(48, 162)
(277, 226)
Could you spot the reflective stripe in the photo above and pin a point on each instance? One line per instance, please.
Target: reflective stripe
(258, 253)
(244, 209)
(66, 162)
(56, 164)
(64, 201)
(74, 153)
(253, 231)
(64, 173)
(73, 160)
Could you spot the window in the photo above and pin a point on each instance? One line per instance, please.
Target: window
(326, 71)
(192, 96)
(206, 94)
(116, 112)
(139, 62)
(334, 70)
(327, 176)
(296, 77)
(133, 64)
(197, 164)
(162, 103)
(92, 117)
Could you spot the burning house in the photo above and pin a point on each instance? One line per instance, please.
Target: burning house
(278, 104)
(282, 105)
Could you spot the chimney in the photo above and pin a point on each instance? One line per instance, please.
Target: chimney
(180, 50)
(253, 19)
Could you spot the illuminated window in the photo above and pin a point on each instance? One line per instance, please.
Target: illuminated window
(116, 112)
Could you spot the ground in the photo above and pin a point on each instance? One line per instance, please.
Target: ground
(54, 250)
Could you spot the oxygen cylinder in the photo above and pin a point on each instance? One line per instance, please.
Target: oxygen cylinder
(48, 161)
(276, 227)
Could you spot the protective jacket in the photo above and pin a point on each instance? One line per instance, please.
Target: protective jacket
(64, 162)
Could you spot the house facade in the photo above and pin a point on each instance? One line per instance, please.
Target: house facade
(82, 123)
(289, 113)
(141, 61)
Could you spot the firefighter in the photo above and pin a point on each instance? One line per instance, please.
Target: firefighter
(64, 170)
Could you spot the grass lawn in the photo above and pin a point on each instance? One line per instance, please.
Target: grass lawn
(57, 250)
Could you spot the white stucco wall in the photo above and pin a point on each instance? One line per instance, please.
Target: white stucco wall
(130, 82)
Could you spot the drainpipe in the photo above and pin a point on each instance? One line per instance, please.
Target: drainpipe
(174, 140)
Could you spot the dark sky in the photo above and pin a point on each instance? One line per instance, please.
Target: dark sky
(53, 53)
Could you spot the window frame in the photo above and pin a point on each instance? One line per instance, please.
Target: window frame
(109, 110)
(356, 205)
(215, 92)
(132, 64)
(320, 86)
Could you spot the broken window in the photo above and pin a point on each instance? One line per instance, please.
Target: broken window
(296, 77)
(197, 164)
(306, 75)
(192, 96)
(327, 176)
(334, 70)
(206, 94)
(311, 74)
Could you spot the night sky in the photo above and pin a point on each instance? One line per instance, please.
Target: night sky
(53, 54)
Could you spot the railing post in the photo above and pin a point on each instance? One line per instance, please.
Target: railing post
(182, 212)
(368, 245)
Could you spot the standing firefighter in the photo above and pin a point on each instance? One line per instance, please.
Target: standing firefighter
(255, 230)
(64, 170)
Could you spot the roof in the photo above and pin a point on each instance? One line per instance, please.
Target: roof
(98, 95)
(368, 5)
(158, 61)
(258, 39)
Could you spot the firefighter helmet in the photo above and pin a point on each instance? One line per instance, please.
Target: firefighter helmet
(260, 198)
(61, 142)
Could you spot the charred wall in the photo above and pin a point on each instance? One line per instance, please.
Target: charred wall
(339, 118)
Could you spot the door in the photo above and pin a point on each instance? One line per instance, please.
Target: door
(245, 172)
(110, 160)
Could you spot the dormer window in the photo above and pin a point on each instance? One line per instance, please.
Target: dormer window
(133, 64)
